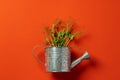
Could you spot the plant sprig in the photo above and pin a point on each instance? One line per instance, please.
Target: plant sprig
(60, 34)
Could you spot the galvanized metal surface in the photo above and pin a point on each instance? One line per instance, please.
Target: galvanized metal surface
(58, 59)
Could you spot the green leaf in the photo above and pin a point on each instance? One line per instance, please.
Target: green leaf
(71, 36)
(67, 32)
(47, 40)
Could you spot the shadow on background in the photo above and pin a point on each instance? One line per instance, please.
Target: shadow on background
(77, 71)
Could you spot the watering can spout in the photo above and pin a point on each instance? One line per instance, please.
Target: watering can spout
(83, 57)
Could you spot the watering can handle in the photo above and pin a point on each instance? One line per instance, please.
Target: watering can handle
(33, 49)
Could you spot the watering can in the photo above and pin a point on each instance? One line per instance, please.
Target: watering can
(58, 59)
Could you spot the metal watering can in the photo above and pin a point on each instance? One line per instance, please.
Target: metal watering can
(58, 59)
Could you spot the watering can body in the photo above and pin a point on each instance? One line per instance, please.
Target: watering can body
(58, 59)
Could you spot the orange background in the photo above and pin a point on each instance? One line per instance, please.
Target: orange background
(21, 28)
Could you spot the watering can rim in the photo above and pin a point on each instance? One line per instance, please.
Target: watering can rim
(57, 47)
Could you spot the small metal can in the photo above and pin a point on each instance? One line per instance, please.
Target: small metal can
(57, 59)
